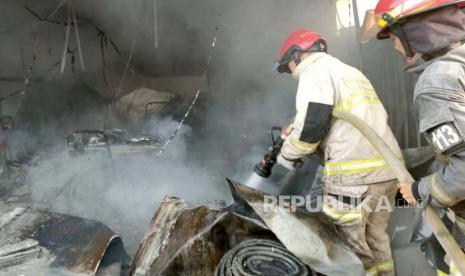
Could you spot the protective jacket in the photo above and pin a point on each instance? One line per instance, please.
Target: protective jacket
(439, 103)
(326, 83)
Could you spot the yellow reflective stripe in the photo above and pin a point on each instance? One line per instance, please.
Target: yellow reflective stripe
(453, 270)
(368, 97)
(438, 192)
(352, 171)
(444, 159)
(372, 271)
(303, 147)
(440, 273)
(357, 166)
(385, 266)
(342, 216)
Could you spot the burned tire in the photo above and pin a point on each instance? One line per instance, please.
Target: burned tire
(261, 257)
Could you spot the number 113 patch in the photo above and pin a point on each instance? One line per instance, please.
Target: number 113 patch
(445, 138)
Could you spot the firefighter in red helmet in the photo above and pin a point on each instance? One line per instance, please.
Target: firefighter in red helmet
(357, 180)
(430, 34)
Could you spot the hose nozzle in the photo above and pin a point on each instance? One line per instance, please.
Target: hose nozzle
(265, 166)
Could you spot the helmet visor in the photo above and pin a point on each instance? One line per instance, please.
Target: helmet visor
(281, 68)
(282, 65)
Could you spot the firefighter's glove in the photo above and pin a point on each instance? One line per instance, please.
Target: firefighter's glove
(288, 164)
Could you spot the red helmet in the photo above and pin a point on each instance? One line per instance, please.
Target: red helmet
(390, 12)
(299, 41)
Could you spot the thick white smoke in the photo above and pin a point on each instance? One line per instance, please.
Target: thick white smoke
(125, 190)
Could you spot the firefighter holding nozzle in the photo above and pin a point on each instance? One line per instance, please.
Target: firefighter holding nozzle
(355, 175)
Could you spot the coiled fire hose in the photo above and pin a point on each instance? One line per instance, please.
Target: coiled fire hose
(261, 257)
(443, 235)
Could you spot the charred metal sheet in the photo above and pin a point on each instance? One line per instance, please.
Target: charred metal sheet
(78, 244)
(8, 217)
(309, 236)
(190, 240)
(188, 246)
(18, 253)
(17, 247)
(158, 234)
(73, 244)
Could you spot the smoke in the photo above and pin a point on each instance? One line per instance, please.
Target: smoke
(125, 190)
(244, 100)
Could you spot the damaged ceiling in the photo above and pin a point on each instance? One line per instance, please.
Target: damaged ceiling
(166, 39)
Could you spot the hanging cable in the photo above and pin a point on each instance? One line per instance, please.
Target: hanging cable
(167, 142)
(207, 66)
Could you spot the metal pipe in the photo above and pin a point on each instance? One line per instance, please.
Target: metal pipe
(65, 46)
(78, 40)
(433, 220)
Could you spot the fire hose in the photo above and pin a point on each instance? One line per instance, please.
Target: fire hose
(433, 220)
(261, 257)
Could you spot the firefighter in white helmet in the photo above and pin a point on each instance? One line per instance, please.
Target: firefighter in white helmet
(359, 186)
